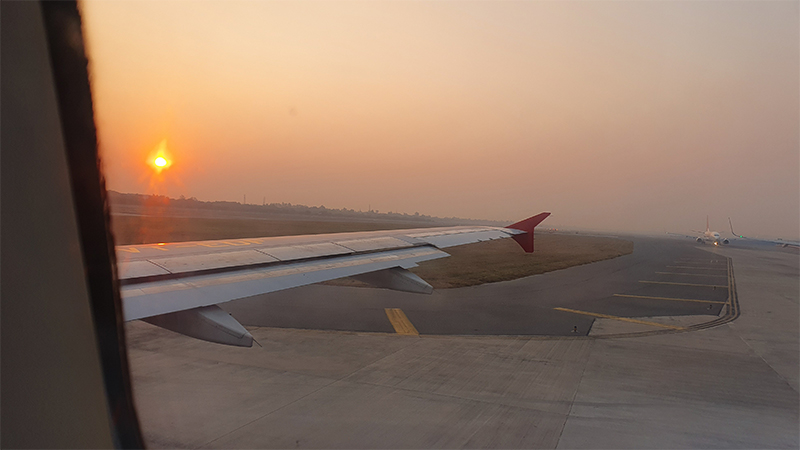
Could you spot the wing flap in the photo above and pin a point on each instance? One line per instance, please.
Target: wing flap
(468, 237)
(367, 245)
(295, 252)
(194, 263)
(139, 269)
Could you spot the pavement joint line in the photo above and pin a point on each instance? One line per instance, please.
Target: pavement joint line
(684, 284)
(496, 402)
(229, 432)
(693, 274)
(572, 400)
(670, 298)
(292, 402)
(400, 322)
(695, 267)
(623, 319)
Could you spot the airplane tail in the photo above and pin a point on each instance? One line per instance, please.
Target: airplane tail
(526, 240)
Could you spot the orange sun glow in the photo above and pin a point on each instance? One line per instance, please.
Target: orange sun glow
(159, 158)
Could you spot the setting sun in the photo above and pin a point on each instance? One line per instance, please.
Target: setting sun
(159, 157)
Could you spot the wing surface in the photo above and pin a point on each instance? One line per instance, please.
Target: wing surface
(166, 293)
(176, 285)
(699, 235)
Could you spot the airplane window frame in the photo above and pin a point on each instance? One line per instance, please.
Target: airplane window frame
(69, 64)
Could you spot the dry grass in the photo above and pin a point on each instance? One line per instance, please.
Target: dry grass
(492, 261)
(503, 260)
(468, 265)
(132, 230)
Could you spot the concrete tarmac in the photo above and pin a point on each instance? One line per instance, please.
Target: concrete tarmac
(731, 386)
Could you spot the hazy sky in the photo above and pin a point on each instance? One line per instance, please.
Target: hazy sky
(634, 116)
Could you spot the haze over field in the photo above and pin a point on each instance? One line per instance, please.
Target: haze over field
(631, 116)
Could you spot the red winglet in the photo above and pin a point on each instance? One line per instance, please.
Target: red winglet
(526, 240)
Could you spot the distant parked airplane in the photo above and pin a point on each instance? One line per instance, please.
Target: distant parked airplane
(712, 237)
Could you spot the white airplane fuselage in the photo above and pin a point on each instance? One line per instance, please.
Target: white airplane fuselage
(712, 237)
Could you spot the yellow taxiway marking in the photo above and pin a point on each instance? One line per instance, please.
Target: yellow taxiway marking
(696, 267)
(684, 284)
(693, 274)
(670, 298)
(623, 319)
(400, 322)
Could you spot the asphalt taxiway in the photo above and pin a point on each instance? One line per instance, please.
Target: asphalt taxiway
(660, 278)
(725, 377)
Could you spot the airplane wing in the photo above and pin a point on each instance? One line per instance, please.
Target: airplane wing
(686, 235)
(780, 242)
(785, 244)
(179, 285)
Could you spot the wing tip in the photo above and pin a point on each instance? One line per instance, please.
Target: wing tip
(530, 223)
(526, 240)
